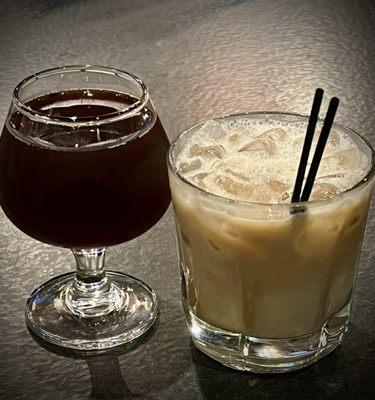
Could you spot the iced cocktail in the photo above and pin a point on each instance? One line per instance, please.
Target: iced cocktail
(267, 285)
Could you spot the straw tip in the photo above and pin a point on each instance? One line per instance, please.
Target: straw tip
(297, 209)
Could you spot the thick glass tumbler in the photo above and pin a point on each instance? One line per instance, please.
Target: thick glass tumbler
(82, 166)
(266, 288)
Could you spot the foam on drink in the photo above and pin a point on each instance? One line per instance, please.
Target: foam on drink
(257, 161)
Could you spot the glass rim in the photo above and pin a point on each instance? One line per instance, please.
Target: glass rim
(294, 205)
(38, 116)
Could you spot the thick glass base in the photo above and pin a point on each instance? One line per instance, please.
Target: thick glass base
(49, 314)
(260, 355)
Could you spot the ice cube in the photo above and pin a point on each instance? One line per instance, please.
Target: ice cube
(234, 138)
(277, 134)
(233, 187)
(211, 151)
(298, 143)
(349, 159)
(271, 191)
(213, 244)
(332, 146)
(334, 139)
(264, 194)
(190, 166)
(237, 174)
(265, 144)
(330, 176)
(277, 186)
(199, 179)
(324, 191)
(213, 130)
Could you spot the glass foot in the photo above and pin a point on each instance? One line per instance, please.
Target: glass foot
(50, 316)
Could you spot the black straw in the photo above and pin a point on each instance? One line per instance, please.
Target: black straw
(307, 145)
(330, 116)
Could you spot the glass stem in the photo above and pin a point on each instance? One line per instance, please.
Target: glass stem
(90, 265)
(91, 293)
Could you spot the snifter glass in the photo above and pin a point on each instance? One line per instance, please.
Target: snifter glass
(265, 288)
(83, 167)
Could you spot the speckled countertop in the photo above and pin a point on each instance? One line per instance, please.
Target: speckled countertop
(200, 58)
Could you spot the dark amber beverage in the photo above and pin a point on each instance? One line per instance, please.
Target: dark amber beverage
(83, 166)
(84, 187)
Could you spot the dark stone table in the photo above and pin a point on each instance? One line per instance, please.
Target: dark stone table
(200, 59)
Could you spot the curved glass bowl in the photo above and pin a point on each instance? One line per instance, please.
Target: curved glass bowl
(76, 146)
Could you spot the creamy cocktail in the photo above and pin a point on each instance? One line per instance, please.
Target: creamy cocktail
(266, 285)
